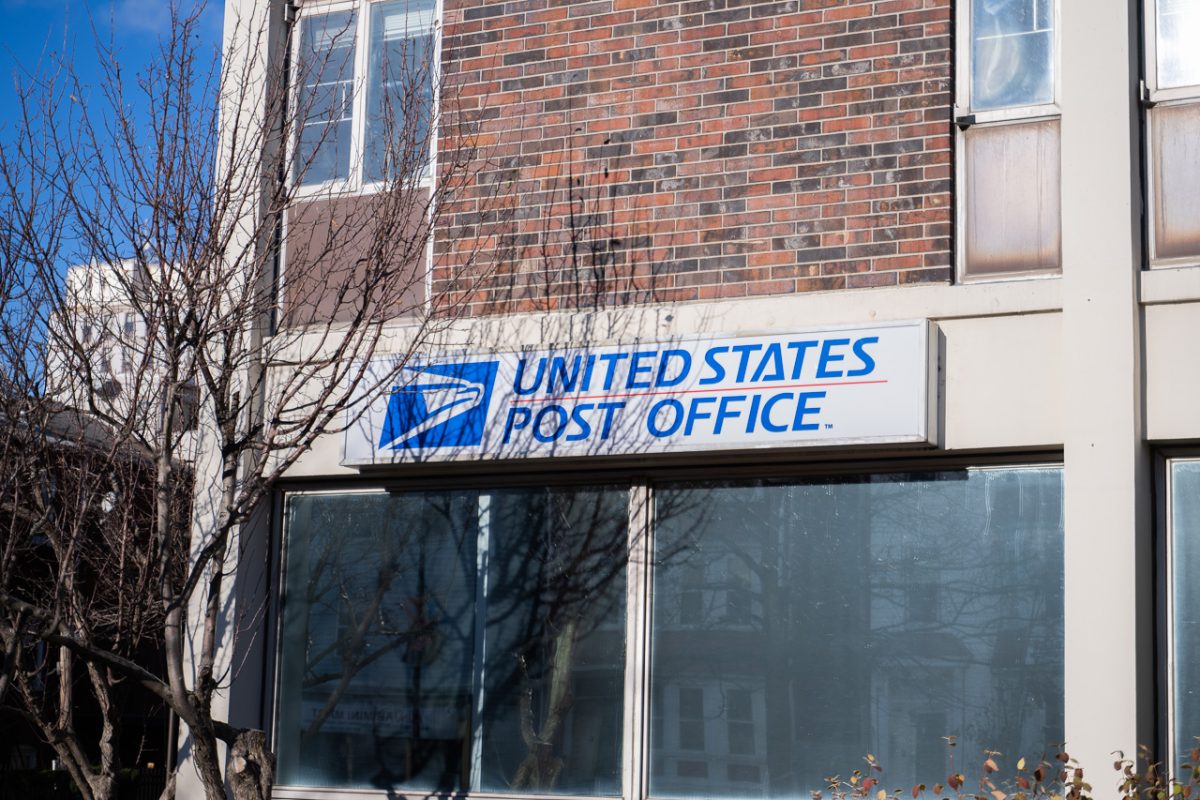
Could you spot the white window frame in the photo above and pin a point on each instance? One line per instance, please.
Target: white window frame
(965, 117)
(1152, 96)
(354, 184)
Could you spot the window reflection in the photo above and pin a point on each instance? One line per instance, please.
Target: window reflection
(326, 97)
(446, 641)
(1178, 26)
(1012, 55)
(838, 645)
(399, 88)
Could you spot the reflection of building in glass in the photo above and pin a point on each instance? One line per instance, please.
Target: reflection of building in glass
(454, 640)
(839, 646)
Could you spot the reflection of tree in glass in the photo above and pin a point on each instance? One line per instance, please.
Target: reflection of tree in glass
(555, 618)
(859, 615)
(386, 623)
(457, 640)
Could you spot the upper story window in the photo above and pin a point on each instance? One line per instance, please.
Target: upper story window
(1009, 215)
(1012, 53)
(1177, 29)
(1173, 128)
(364, 99)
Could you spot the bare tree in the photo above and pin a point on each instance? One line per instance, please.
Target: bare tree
(201, 358)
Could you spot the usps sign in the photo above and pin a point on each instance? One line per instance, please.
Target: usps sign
(869, 385)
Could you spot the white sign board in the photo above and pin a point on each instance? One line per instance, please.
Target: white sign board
(868, 385)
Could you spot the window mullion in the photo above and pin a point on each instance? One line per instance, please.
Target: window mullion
(362, 61)
(635, 759)
(482, 553)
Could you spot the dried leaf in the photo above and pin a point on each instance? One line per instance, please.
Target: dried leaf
(881, 794)
(937, 788)
(1021, 763)
(990, 766)
(1023, 782)
(999, 795)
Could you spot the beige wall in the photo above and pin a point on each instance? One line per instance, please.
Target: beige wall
(1172, 371)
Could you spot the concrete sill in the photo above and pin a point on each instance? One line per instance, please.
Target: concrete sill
(1170, 285)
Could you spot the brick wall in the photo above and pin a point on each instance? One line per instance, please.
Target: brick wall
(632, 150)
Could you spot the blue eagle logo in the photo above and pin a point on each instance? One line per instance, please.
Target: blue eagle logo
(441, 405)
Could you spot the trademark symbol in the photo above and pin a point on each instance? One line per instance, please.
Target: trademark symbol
(828, 425)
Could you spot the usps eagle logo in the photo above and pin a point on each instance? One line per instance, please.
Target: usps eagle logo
(439, 405)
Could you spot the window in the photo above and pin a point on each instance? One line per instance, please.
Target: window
(364, 113)
(1173, 121)
(1009, 214)
(1183, 559)
(454, 641)
(840, 669)
(476, 641)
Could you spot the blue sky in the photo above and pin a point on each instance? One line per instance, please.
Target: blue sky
(31, 31)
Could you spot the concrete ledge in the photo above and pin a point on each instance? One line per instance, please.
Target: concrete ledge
(1170, 285)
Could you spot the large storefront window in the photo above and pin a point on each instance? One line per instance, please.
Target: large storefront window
(454, 641)
(799, 626)
(476, 641)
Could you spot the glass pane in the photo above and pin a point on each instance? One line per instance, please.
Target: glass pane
(1185, 605)
(1178, 45)
(832, 661)
(325, 101)
(454, 640)
(1012, 53)
(1175, 163)
(399, 88)
(554, 662)
(1011, 199)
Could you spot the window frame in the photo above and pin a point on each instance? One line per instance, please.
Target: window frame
(1152, 96)
(965, 116)
(640, 482)
(355, 184)
(1164, 623)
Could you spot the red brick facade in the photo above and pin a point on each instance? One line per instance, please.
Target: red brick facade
(635, 150)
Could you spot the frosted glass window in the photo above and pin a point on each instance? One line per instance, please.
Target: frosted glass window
(831, 666)
(325, 101)
(1185, 607)
(1175, 180)
(1011, 213)
(1177, 48)
(399, 87)
(1012, 53)
(439, 642)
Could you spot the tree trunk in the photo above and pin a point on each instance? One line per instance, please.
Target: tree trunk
(251, 769)
(204, 753)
